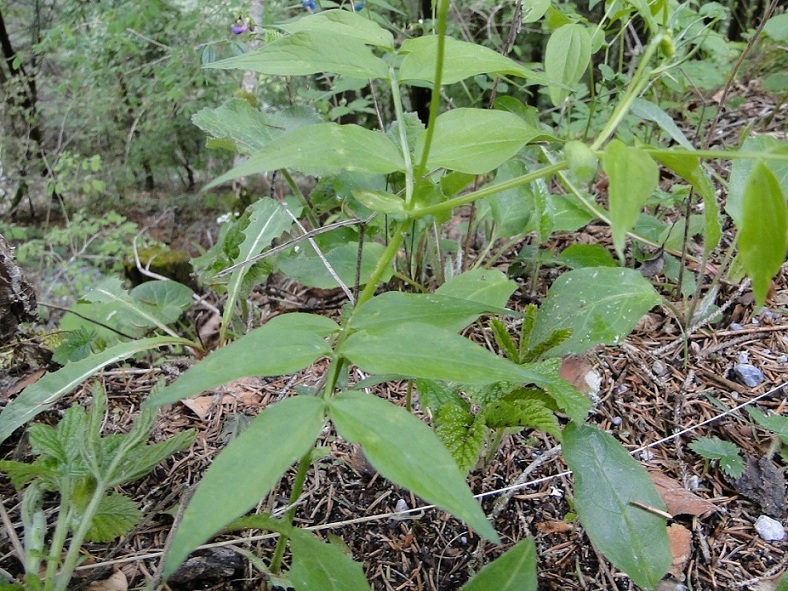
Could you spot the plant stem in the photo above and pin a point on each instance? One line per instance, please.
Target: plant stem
(384, 262)
(298, 487)
(396, 98)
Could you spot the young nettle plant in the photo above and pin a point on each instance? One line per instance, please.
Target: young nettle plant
(83, 468)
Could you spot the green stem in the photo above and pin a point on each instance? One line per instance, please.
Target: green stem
(58, 542)
(435, 101)
(304, 201)
(489, 191)
(384, 262)
(298, 487)
(403, 137)
(639, 82)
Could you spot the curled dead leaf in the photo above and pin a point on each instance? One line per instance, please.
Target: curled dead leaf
(678, 499)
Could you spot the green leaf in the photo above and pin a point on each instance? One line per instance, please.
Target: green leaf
(49, 389)
(421, 350)
(168, 298)
(246, 470)
(533, 10)
(546, 375)
(310, 52)
(607, 481)
(633, 177)
(782, 584)
(741, 173)
(461, 60)
(317, 565)
(268, 220)
(476, 141)
(521, 411)
(143, 458)
(247, 127)
(777, 424)
(394, 307)
(567, 55)
(652, 112)
(582, 160)
(777, 28)
(515, 570)
(322, 149)
(283, 345)
(380, 201)
(405, 451)
(578, 256)
(689, 168)
(307, 268)
(601, 305)
(347, 24)
(116, 516)
(763, 235)
(714, 448)
(462, 433)
(486, 286)
(436, 395)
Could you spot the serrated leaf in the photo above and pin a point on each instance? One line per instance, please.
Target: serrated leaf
(310, 52)
(633, 177)
(514, 570)
(462, 433)
(607, 481)
(405, 451)
(48, 390)
(461, 60)
(20, 473)
(513, 411)
(476, 141)
(246, 470)
(567, 55)
(435, 395)
(143, 459)
(727, 453)
(322, 149)
(116, 515)
(283, 345)
(317, 565)
(763, 234)
(601, 305)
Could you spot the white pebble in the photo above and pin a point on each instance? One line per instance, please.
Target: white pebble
(770, 529)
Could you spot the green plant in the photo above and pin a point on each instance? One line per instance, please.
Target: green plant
(392, 191)
(83, 468)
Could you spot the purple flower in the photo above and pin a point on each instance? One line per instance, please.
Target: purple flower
(310, 5)
(240, 26)
(359, 7)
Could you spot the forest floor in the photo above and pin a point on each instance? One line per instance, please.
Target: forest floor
(659, 391)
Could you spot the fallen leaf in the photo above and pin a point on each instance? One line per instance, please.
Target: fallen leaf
(117, 582)
(22, 383)
(764, 483)
(678, 499)
(680, 540)
(578, 371)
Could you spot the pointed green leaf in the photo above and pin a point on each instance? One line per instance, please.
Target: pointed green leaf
(284, 345)
(777, 424)
(380, 201)
(394, 307)
(601, 305)
(168, 298)
(138, 312)
(421, 350)
(317, 565)
(48, 390)
(476, 141)
(763, 234)
(116, 516)
(486, 286)
(246, 470)
(306, 267)
(578, 256)
(653, 112)
(582, 160)
(741, 172)
(462, 60)
(406, 451)
(512, 411)
(689, 168)
(239, 121)
(567, 55)
(515, 570)
(345, 23)
(546, 375)
(633, 177)
(607, 481)
(322, 149)
(310, 52)
(146, 457)
(268, 220)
